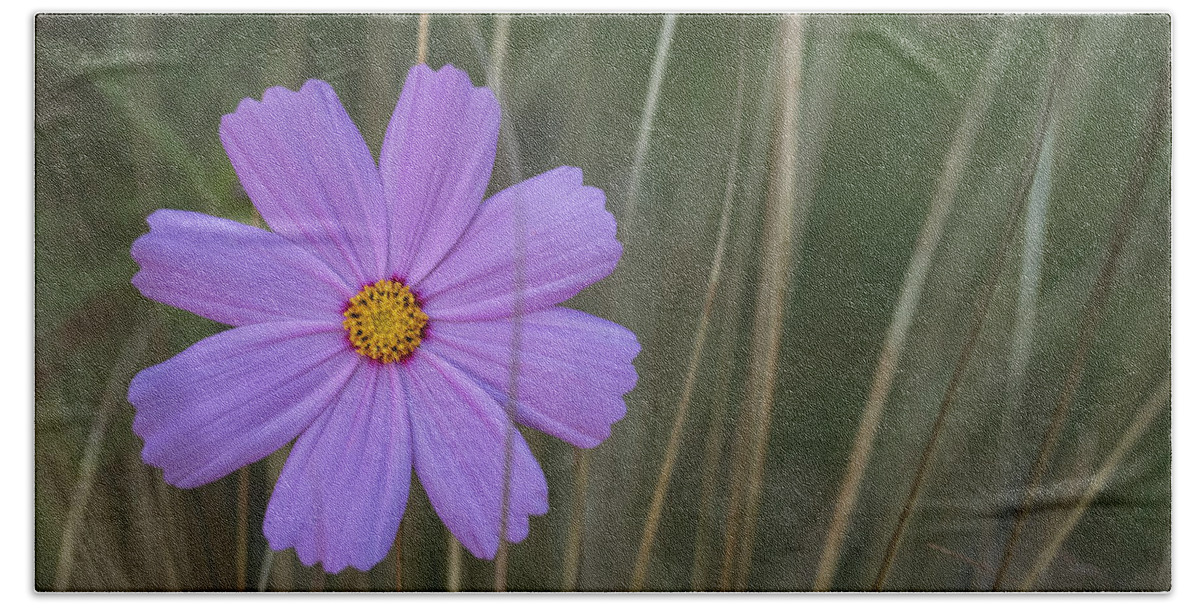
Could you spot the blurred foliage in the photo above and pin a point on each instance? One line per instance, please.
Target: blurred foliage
(126, 117)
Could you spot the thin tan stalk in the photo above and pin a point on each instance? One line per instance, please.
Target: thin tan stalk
(274, 463)
(399, 547)
(282, 573)
(784, 202)
(500, 580)
(1146, 414)
(744, 435)
(156, 146)
(732, 529)
(761, 139)
(242, 525)
(1031, 270)
(906, 306)
(712, 451)
(499, 51)
(1028, 280)
(514, 363)
(805, 159)
(1094, 309)
(153, 512)
(982, 305)
(495, 61)
(575, 527)
(712, 454)
(733, 297)
(689, 383)
(422, 37)
(378, 85)
(264, 574)
(454, 563)
(112, 398)
(510, 432)
(657, 70)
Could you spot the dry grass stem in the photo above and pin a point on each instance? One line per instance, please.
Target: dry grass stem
(422, 37)
(399, 549)
(112, 398)
(982, 303)
(786, 204)
(913, 284)
(1150, 140)
(575, 527)
(657, 70)
(1145, 416)
(520, 222)
(689, 383)
(454, 561)
(264, 574)
(1031, 267)
(499, 51)
(243, 509)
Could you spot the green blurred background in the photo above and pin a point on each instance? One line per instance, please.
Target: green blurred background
(1032, 137)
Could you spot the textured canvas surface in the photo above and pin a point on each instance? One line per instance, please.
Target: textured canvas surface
(900, 286)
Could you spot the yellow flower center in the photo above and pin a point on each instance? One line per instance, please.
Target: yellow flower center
(384, 321)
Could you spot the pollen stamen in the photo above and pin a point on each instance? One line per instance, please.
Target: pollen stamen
(384, 321)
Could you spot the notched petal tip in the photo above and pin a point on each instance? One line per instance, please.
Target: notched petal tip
(566, 175)
(134, 397)
(306, 168)
(435, 164)
(137, 250)
(307, 555)
(595, 196)
(630, 341)
(311, 557)
(317, 85)
(447, 73)
(251, 105)
(447, 76)
(157, 221)
(161, 215)
(480, 100)
(421, 70)
(448, 69)
(156, 453)
(276, 95)
(247, 104)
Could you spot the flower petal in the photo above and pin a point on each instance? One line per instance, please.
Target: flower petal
(435, 164)
(458, 433)
(572, 371)
(233, 398)
(310, 174)
(557, 228)
(233, 273)
(342, 493)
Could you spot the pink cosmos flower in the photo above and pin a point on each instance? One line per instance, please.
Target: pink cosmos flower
(376, 322)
